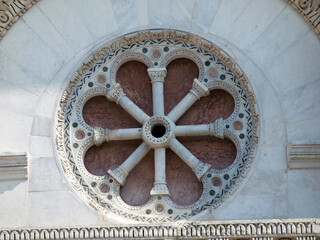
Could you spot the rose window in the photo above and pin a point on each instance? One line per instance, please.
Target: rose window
(156, 126)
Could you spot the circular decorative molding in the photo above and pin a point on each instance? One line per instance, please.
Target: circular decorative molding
(310, 11)
(74, 137)
(11, 11)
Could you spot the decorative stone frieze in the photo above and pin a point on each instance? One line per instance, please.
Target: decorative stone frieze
(300, 229)
(11, 11)
(13, 166)
(303, 154)
(310, 11)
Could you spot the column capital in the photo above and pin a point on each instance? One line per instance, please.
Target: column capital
(201, 169)
(199, 89)
(119, 174)
(216, 128)
(115, 93)
(159, 189)
(157, 74)
(100, 135)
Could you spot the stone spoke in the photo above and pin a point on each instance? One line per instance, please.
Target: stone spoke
(198, 90)
(117, 95)
(198, 167)
(101, 135)
(215, 129)
(120, 173)
(157, 76)
(160, 185)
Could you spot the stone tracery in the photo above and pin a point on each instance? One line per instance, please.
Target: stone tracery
(160, 207)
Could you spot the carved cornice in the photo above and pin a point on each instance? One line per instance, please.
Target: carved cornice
(11, 11)
(300, 229)
(13, 166)
(310, 11)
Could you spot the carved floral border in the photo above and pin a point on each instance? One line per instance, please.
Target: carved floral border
(289, 229)
(310, 11)
(11, 11)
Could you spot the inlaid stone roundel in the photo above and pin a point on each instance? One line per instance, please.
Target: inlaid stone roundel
(156, 126)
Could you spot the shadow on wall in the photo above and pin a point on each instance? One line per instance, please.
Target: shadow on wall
(7, 186)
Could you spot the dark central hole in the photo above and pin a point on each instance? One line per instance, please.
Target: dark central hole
(158, 130)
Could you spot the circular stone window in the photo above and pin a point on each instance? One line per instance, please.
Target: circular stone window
(156, 126)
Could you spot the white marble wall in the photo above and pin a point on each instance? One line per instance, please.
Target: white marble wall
(274, 46)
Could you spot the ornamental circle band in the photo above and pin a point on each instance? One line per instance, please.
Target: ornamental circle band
(158, 132)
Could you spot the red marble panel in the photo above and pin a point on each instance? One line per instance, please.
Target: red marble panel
(99, 111)
(183, 184)
(178, 82)
(219, 104)
(220, 153)
(98, 160)
(134, 79)
(136, 190)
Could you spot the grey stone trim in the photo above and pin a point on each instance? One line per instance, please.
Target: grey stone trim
(303, 155)
(301, 229)
(13, 166)
(10, 11)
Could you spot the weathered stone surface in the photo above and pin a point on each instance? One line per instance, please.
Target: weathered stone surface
(98, 160)
(136, 83)
(136, 190)
(181, 73)
(219, 153)
(178, 82)
(98, 111)
(183, 184)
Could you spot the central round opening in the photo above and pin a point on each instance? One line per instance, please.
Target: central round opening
(158, 130)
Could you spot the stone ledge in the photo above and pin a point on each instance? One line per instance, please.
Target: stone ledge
(303, 154)
(299, 229)
(13, 166)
